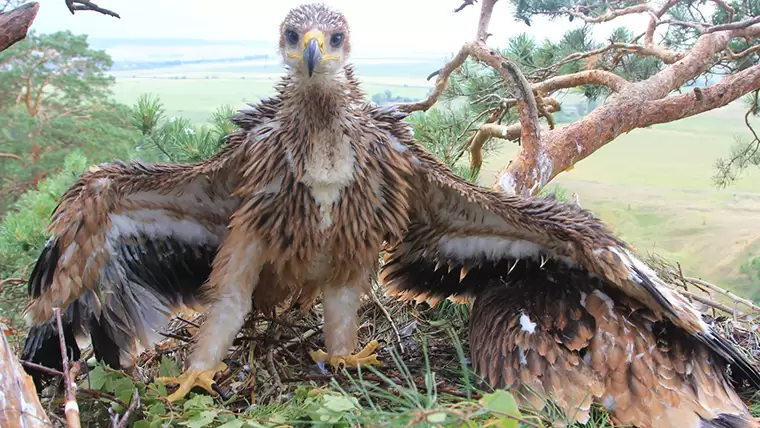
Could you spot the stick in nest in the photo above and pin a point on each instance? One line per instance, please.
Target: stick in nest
(71, 408)
(390, 319)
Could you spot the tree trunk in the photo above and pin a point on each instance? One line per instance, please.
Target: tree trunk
(21, 407)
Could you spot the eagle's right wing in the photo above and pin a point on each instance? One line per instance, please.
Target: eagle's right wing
(131, 243)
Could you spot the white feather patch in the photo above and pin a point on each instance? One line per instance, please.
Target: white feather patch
(526, 324)
(489, 247)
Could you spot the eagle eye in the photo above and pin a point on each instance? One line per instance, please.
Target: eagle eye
(336, 39)
(291, 36)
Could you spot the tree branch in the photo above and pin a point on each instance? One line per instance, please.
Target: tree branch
(71, 409)
(12, 156)
(588, 77)
(440, 83)
(15, 24)
(700, 100)
(75, 5)
(640, 104)
(464, 4)
(485, 18)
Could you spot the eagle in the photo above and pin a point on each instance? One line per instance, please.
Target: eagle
(301, 201)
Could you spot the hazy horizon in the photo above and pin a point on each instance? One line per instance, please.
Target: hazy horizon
(398, 29)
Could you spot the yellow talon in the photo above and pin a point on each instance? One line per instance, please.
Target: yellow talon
(365, 357)
(192, 378)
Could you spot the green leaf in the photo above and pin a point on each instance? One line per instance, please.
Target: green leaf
(198, 402)
(235, 423)
(97, 378)
(503, 402)
(168, 367)
(201, 419)
(338, 403)
(437, 418)
(157, 409)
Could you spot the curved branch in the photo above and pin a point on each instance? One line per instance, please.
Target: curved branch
(440, 83)
(588, 77)
(12, 156)
(15, 24)
(700, 100)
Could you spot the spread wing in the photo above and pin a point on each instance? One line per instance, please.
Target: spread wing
(131, 243)
(554, 332)
(462, 236)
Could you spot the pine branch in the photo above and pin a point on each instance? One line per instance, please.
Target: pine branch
(71, 409)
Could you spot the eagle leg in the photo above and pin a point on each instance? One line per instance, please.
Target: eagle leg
(365, 357)
(192, 378)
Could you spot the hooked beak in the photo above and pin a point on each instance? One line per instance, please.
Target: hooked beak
(313, 50)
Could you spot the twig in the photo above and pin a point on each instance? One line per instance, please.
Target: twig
(188, 322)
(734, 25)
(724, 292)
(14, 157)
(296, 340)
(38, 367)
(710, 302)
(101, 395)
(75, 5)
(464, 4)
(71, 408)
(133, 405)
(380, 305)
(440, 83)
(273, 370)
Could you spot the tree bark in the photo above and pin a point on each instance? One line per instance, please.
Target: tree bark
(15, 24)
(21, 406)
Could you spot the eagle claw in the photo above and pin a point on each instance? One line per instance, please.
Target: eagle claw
(192, 378)
(365, 357)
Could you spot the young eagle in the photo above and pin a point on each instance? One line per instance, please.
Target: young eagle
(302, 200)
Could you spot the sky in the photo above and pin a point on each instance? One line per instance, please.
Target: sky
(401, 27)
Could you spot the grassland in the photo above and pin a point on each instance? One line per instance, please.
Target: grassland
(652, 185)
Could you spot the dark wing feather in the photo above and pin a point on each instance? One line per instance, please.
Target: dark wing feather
(556, 332)
(461, 235)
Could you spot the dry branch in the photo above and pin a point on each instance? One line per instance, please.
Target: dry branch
(71, 408)
(78, 5)
(15, 24)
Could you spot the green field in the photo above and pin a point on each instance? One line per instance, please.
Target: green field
(652, 185)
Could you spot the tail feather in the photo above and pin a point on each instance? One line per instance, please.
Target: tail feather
(43, 347)
(730, 421)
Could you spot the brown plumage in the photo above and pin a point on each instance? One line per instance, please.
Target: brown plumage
(301, 200)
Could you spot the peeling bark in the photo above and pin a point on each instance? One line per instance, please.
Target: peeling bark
(20, 407)
(15, 24)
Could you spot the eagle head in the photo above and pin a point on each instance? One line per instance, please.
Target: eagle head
(314, 40)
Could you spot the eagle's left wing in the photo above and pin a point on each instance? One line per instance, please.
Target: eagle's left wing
(462, 237)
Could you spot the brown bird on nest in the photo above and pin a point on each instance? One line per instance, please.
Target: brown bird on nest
(302, 199)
